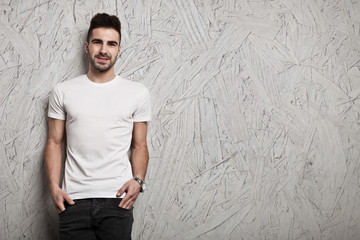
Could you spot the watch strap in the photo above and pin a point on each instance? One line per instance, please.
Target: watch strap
(141, 182)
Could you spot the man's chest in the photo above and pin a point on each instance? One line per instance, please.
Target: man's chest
(112, 107)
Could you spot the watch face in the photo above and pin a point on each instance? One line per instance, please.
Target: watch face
(143, 186)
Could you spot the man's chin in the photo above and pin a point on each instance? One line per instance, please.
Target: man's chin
(102, 68)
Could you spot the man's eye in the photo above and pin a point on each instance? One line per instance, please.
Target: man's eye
(96, 42)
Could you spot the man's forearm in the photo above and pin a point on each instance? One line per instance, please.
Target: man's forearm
(53, 163)
(139, 161)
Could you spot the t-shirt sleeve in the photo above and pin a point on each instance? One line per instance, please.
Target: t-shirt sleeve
(143, 112)
(56, 105)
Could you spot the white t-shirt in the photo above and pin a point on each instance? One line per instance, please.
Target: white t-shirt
(99, 123)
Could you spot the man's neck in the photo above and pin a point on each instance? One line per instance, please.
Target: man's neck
(101, 77)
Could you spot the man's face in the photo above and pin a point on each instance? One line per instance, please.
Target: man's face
(103, 48)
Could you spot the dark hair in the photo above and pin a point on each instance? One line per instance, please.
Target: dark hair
(106, 21)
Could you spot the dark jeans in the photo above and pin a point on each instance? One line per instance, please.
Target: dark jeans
(96, 219)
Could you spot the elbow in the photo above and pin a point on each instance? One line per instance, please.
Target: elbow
(53, 144)
(139, 146)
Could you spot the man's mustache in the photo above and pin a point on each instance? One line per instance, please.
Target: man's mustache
(102, 56)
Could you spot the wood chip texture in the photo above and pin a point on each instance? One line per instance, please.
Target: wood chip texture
(256, 114)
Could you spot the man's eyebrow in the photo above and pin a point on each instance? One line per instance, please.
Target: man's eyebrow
(96, 39)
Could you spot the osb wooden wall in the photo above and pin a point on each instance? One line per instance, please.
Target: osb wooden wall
(256, 113)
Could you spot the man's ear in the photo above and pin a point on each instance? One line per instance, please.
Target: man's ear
(86, 47)
(118, 53)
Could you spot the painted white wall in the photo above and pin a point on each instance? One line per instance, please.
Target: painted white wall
(256, 124)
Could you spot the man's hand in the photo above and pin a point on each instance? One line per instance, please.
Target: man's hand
(132, 189)
(59, 197)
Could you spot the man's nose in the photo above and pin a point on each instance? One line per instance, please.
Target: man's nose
(103, 48)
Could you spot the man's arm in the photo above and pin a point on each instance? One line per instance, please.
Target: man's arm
(53, 162)
(139, 162)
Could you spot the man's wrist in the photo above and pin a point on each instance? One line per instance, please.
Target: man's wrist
(141, 182)
(53, 186)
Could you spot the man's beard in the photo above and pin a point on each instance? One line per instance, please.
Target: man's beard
(102, 67)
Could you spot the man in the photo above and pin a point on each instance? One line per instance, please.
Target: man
(104, 116)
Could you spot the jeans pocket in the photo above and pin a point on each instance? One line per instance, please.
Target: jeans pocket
(116, 202)
(67, 208)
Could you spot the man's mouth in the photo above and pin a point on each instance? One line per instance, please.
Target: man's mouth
(102, 59)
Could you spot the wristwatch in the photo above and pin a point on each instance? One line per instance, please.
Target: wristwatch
(141, 182)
